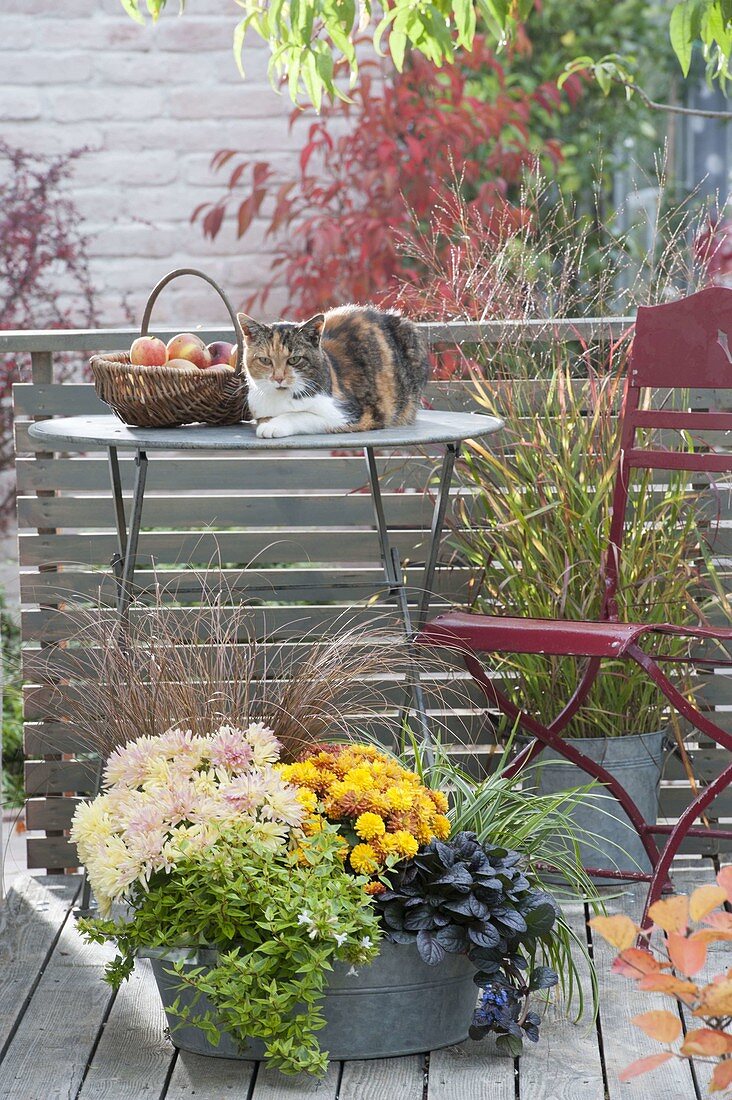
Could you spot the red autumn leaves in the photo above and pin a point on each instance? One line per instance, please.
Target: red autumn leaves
(690, 924)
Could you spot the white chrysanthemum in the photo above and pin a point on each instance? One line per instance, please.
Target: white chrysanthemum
(265, 746)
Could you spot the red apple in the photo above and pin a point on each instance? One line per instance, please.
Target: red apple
(220, 352)
(181, 364)
(148, 351)
(187, 346)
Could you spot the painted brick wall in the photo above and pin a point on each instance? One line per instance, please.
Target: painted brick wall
(152, 105)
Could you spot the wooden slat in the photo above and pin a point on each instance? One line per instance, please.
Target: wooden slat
(255, 474)
(565, 1064)
(470, 1071)
(380, 1078)
(197, 1078)
(133, 1057)
(50, 851)
(271, 1085)
(322, 510)
(619, 1002)
(31, 917)
(50, 813)
(343, 545)
(291, 584)
(58, 1031)
(57, 776)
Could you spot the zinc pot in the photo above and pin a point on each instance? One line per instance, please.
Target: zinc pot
(636, 760)
(397, 1005)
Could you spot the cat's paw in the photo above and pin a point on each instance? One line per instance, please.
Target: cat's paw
(276, 428)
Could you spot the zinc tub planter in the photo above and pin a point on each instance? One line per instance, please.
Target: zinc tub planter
(394, 1006)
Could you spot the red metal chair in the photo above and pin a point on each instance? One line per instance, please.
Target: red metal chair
(680, 345)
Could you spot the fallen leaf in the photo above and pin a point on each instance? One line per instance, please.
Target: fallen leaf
(705, 899)
(671, 914)
(619, 931)
(643, 1065)
(722, 1077)
(707, 1042)
(659, 1024)
(687, 955)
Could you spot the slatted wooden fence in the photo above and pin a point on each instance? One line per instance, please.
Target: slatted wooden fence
(277, 523)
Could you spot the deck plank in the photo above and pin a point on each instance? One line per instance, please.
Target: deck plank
(48, 1054)
(31, 917)
(565, 1064)
(195, 1076)
(133, 1057)
(383, 1078)
(622, 1041)
(272, 1085)
(471, 1071)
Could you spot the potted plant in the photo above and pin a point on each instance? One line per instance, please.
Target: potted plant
(309, 908)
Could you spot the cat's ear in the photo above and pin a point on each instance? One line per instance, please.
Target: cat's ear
(253, 331)
(312, 330)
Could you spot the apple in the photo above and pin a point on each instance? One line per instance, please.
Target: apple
(148, 351)
(220, 352)
(187, 346)
(181, 364)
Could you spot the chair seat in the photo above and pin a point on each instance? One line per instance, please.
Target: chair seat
(554, 637)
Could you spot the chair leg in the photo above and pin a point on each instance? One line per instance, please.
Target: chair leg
(549, 735)
(677, 835)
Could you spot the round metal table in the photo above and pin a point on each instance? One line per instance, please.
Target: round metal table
(85, 433)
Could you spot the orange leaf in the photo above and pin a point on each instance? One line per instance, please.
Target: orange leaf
(704, 899)
(667, 983)
(711, 935)
(687, 955)
(722, 1077)
(716, 999)
(719, 920)
(707, 1042)
(634, 961)
(644, 1064)
(619, 931)
(724, 878)
(671, 914)
(659, 1024)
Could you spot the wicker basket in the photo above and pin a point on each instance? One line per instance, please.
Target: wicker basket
(166, 397)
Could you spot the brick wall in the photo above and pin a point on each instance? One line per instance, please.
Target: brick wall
(152, 104)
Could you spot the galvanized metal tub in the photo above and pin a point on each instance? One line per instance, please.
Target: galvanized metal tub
(395, 1006)
(637, 761)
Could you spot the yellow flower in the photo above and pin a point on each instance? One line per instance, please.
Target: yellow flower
(307, 799)
(369, 826)
(398, 798)
(440, 801)
(374, 887)
(405, 844)
(364, 859)
(359, 777)
(303, 774)
(441, 826)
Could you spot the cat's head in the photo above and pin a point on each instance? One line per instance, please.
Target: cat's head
(285, 355)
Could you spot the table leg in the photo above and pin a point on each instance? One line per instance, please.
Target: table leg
(396, 580)
(119, 519)
(124, 598)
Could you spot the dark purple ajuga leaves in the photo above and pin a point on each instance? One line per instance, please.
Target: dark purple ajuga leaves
(464, 897)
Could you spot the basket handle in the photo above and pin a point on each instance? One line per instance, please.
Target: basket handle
(144, 327)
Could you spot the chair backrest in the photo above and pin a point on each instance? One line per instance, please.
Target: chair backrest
(681, 345)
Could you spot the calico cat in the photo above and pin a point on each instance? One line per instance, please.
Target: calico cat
(349, 370)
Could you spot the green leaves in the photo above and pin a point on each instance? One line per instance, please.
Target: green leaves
(276, 924)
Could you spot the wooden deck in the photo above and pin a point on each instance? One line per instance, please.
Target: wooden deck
(64, 1034)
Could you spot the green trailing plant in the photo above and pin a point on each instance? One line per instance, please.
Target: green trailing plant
(461, 896)
(277, 926)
